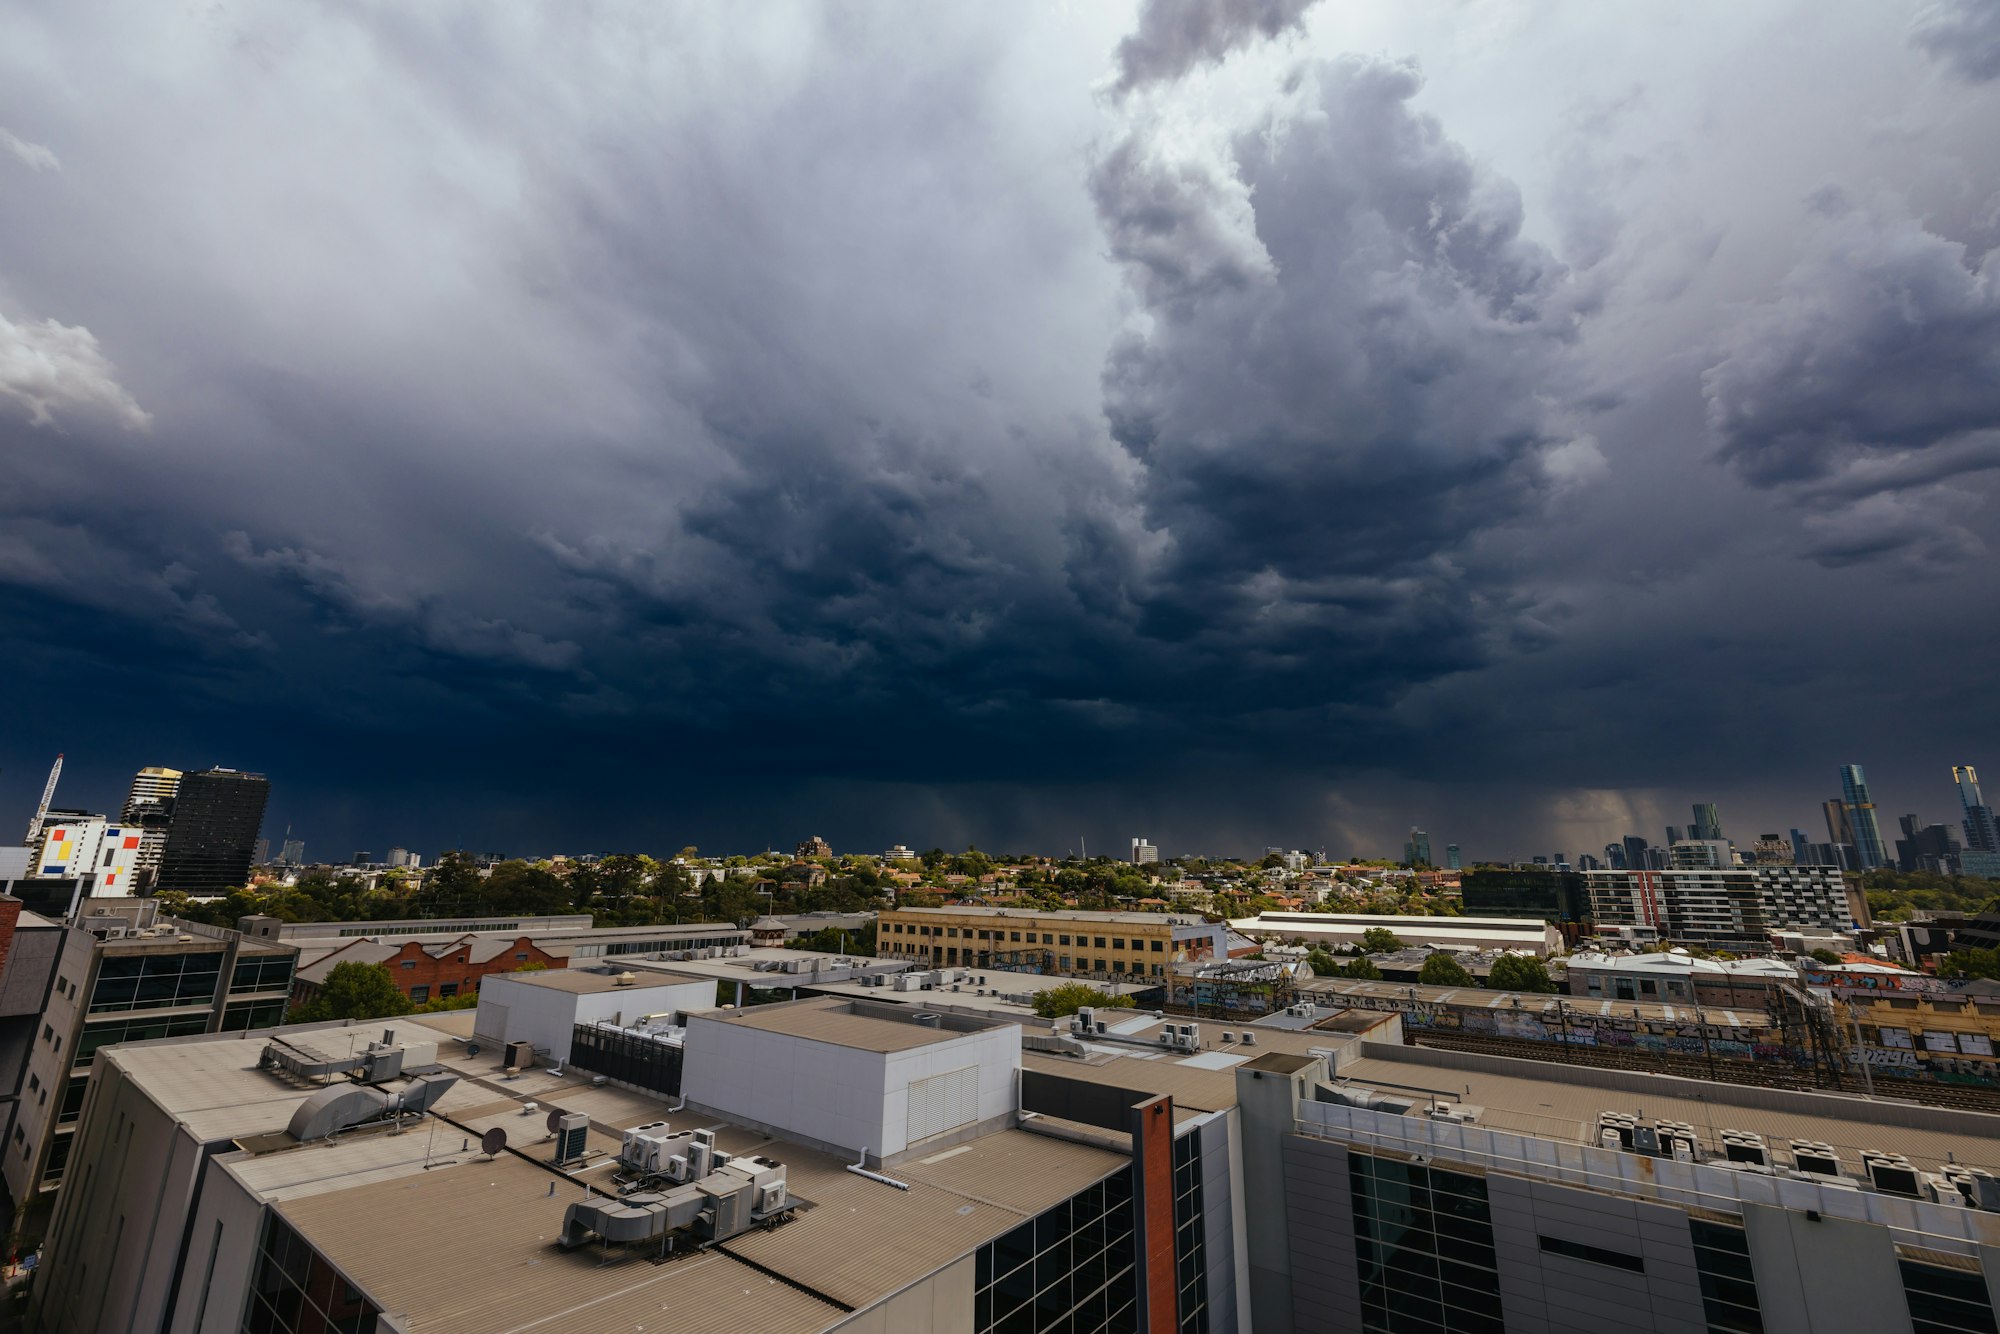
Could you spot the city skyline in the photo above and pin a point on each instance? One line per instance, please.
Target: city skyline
(1018, 424)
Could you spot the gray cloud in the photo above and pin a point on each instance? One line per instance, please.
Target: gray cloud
(1874, 368)
(57, 370)
(1174, 37)
(33, 156)
(1963, 34)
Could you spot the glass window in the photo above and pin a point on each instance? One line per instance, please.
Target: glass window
(420, 994)
(1728, 1287)
(1424, 1240)
(253, 1014)
(261, 972)
(156, 981)
(1946, 1301)
(295, 1290)
(104, 1033)
(1071, 1268)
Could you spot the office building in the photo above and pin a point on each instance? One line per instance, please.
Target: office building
(1636, 853)
(294, 852)
(1860, 808)
(1333, 930)
(1981, 832)
(1928, 847)
(149, 807)
(1838, 828)
(1800, 846)
(216, 818)
(1144, 853)
(1452, 859)
(100, 858)
(910, 1172)
(1417, 848)
(1614, 856)
(124, 976)
(1085, 944)
(1707, 824)
(1736, 909)
(1700, 855)
(1542, 895)
(1770, 850)
(1536, 1196)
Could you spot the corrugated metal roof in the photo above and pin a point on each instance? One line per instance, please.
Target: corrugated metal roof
(1015, 1169)
(833, 1019)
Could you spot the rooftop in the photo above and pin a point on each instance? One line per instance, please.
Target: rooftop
(583, 982)
(1061, 914)
(863, 1025)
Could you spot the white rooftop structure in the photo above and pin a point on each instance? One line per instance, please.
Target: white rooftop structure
(1450, 933)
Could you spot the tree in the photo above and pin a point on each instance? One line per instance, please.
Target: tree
(1441, 970)
(1826, 956)
(1362, 970)
(354, 990)
(1322, 963)
(1519, 972)
(1971, 963)
(1380, 940)
(1073, 996)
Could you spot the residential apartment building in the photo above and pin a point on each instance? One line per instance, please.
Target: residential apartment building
(149, 809)
(1110, 944)
(122, 978)
(212, 835)
(1733, 909)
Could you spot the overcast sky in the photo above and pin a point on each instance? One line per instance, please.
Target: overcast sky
(622, 426)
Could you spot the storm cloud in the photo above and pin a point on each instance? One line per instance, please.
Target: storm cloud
(1243, 423)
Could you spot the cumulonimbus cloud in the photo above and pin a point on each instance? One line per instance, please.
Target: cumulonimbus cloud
(1175, 36)
(56, 370)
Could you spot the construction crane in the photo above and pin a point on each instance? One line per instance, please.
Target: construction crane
(42, 811)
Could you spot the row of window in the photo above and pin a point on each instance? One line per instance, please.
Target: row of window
(1071, 1270)
(949, 956)
(1016, 937)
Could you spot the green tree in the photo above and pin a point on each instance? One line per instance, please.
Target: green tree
(1380, 940)
(1362, 970)
(1519, 972)
(1971, 963)
(1322, 963)
(1073, 996)
(1441, 970)
(1826, 956)
(353, 990)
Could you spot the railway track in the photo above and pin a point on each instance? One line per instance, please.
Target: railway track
(1754, 1075)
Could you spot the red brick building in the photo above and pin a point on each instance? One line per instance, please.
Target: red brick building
(428, 970)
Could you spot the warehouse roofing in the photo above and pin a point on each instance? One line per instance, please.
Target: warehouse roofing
(863, 1025)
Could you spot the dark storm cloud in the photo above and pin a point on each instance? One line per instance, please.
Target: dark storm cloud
(1869, 378)
(1173, 37)
(1353, 372)
(1964, 34)
(680, 424)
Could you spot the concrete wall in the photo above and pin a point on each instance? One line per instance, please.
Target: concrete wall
(221, 1255)
(840, 1098)
(514, 1010)
(49, 1062)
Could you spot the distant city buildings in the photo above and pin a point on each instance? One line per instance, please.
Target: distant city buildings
(1451, 857)
(1981, 832)
(899, 853)
(217, 816)
(1417, 850)
(1859, 807)
(814, 847)
(149, 806)
(1144, 853)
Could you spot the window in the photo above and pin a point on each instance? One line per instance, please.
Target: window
(409, 963)
(261, 972)
(1159, 947)
(1597, 1255)
(108, 1032)
(1065, 940)
(520, 958)
(420, 994)
(1728, 1287)
(1117, 944)
(1423, 1238)
(34, 1082)
(156, 981)
(1073, 1267)
(1946, 1301)
(48, 1032)
(294, 1289)
(1014, 936)
(1190, 1243)
(1100, 942)
(447, 988)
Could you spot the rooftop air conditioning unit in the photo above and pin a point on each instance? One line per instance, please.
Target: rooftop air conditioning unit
(1614, 1130)
(1457, 1113)
(1941, 1189)
(1980, 1187)
(1891, 1173)
(1249, 1038)
(1228, 1037)
(1679, 1141)
(1743, 1146)
(1815, 1156)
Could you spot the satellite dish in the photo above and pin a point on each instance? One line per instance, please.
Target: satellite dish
(493, 1141)
(555, 1119)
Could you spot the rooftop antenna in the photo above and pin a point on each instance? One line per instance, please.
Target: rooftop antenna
(42, 811)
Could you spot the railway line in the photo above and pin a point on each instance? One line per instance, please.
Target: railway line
(1721, 1069)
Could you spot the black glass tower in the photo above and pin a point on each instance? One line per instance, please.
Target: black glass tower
(217, 816)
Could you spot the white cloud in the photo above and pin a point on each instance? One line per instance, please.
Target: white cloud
(34, 155)
(58, 368)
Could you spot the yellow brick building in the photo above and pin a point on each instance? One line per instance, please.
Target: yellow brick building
(1110, 944)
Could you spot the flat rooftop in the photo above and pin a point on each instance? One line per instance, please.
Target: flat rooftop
(1364, 995)
(862, 1025)
(1060, 914)
(452, 1242)
(1562, 1102)
(583, 982)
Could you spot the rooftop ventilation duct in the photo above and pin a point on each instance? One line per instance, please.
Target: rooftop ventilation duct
(332, 1110)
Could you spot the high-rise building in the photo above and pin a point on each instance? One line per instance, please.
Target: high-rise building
(1635, 853)
(1861, 818)
(217, 816)
(1700, 854)
(1614, 856)
(1144, 853)
(295, 851)
(1838, 829)
(1770, 850)
(1799, 845)
(150, 807)
(1676, 834)
(1418, 848)
(1707, 824)
(1452, 858)
(1982, 834)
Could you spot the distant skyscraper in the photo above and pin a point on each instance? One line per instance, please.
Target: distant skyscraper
(217, 816)
(262, 855)
(294, 853)
(1614, 856)
(1799, 845)
(1707, 824)
(1451, 858)
(1635, 853)
(1418, 849)
(1838, 828)
(1982, 833)
(1861, 818)
(1144, 853)
(149, 807)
